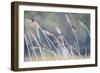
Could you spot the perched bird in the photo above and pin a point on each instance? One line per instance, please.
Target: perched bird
(73, 27)
(35, 23)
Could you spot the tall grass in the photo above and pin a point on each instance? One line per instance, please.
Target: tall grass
(74, 32)
(67, 50)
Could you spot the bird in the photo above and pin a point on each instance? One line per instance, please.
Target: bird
(73, 27)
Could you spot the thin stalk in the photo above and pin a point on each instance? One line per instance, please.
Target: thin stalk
(46, 39)
(28, 49)
(61, 44)
(54, 46)
(76, 50)
(34, 38)
(87, 29)
(51, 52)
(63, 48)
(41, 51)
(82, 24)
(72, 54)
(65, 51)
(76, 41)
(73, 32)
(51, 42)
(38, 43)
(28, 31)
(66, 43)
(85, 53)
